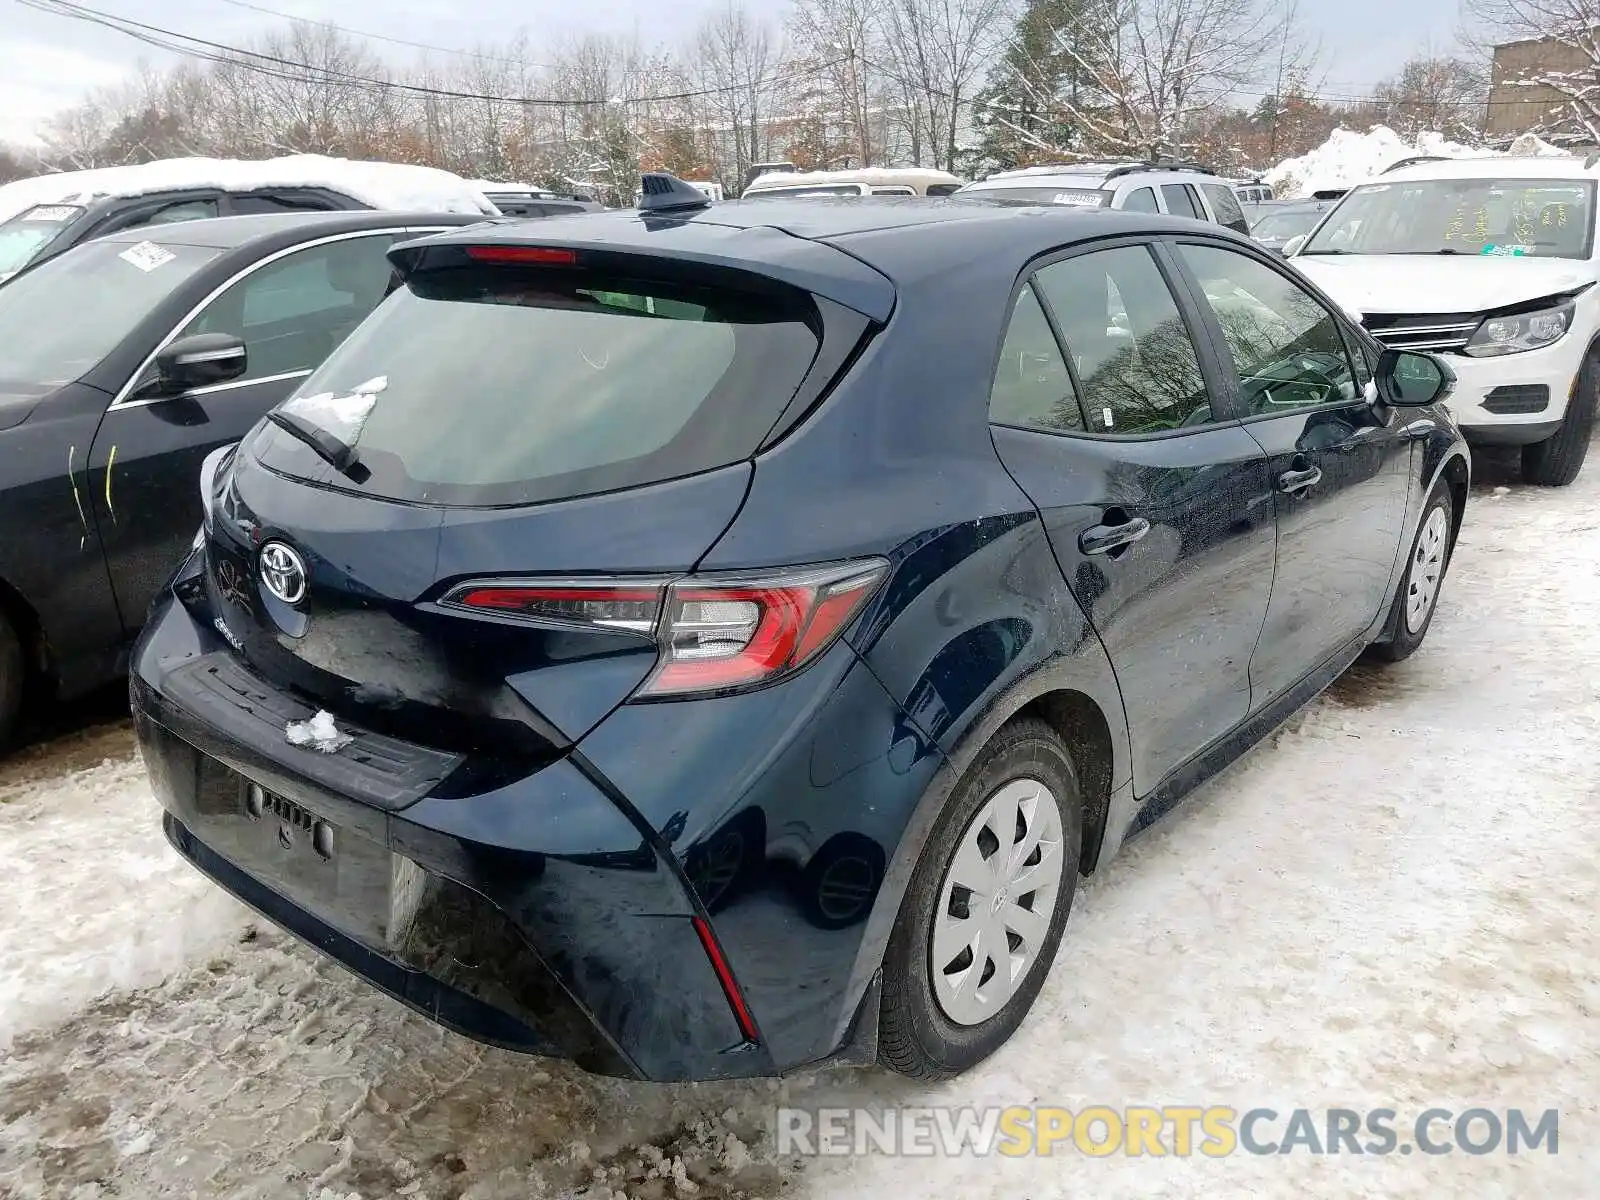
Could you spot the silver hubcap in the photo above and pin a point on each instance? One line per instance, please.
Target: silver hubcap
(996, 901)
(1427, 565)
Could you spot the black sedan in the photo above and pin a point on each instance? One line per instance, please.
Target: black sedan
(122, 364)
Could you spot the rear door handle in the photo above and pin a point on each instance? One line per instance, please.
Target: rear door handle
(1103, 539)
(1298, 481)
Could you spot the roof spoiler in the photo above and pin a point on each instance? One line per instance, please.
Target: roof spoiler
(661, 192)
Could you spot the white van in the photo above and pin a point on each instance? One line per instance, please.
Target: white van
(869, 181)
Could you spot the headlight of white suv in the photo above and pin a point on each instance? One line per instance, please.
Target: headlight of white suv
(1525, 331)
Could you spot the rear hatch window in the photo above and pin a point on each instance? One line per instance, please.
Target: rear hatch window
(505, 384)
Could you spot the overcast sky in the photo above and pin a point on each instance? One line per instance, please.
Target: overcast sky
(48, 62)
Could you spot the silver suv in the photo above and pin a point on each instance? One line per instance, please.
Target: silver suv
(1178, 189)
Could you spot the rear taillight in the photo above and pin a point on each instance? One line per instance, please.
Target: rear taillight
(722, 634)
(631, 607)
(716, 634)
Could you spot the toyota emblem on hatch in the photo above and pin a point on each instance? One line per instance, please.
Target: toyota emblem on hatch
(283, 572)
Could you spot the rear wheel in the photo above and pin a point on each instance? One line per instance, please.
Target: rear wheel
(10, 681)
(1418, 596)
(986, 907)
(1556, 461)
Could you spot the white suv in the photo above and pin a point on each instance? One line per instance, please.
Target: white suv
(1491, 263)
(1179, 190)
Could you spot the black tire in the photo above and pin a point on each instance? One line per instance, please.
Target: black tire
(1406, 640)
(1556, 461)
(915, 1038)
(11, 672)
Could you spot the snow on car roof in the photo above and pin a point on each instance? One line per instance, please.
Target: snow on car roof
(393, 186)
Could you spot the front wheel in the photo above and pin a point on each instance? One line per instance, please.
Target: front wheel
(1418, 596)
(986, 907)
(1556, 461)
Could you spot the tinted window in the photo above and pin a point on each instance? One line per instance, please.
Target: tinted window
(1032, 387)
(187, 210)
(61, 318)
(942, 189)
(1135, 359)
(1180, 201)
(893, 191)
(1141, 200)
(292, 312)
(281, 204)
(507, 385)
(1286, 347)
(1226, 206)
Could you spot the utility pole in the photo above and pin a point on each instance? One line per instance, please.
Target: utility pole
(1277, 95)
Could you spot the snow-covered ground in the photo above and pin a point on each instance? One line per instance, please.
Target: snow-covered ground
(1391, 904)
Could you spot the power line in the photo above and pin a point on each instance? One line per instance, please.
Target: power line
(383, 37)
(274, 66)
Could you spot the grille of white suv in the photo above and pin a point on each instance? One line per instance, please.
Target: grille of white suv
(1435, 332)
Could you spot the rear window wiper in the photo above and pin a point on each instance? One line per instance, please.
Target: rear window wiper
(330, 449)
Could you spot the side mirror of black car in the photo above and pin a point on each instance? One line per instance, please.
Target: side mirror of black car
(200, 360)
(1407, 379)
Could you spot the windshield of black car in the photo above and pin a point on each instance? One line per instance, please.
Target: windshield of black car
(508, 385)
(1281, 226)
(1542, 218)
(60, 319)
(22, 237)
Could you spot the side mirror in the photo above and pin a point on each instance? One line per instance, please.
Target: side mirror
(1292, 246)
(1409, 380)
(200, 360)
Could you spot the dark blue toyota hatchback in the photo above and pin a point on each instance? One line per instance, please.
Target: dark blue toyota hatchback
(708, 640)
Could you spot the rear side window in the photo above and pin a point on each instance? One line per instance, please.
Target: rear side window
(281, 203)
(1141, 200)
(1032, 387)
(1226, 205)
(1180, 201)
(942, 189)
(1132, 349)
(507, 385)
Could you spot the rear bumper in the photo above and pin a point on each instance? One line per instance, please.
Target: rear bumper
(560, 912)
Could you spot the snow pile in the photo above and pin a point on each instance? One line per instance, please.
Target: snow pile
(396, 187)
(1531, 145)
(95, 899)
(1348, 158)
(319, 733)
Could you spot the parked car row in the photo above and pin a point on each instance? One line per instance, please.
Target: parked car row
(699, 641)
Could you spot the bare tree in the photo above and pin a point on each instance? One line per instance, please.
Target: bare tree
(1144, 69)
(840, 42)
(1565, 69)
(734, 58)
(935, 51)
(1444, 94)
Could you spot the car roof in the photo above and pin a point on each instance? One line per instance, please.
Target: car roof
(1078, 172)
(227, 233)
(1501, 167)
(881, 241)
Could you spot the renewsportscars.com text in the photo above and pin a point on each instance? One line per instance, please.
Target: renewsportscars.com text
(1179, 1130)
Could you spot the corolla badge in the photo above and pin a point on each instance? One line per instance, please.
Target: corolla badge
(283, 572)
